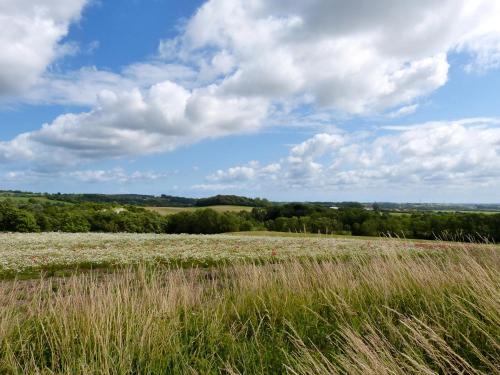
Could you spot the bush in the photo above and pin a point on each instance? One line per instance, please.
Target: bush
(16, 220)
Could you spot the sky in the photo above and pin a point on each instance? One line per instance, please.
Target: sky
(320, 100)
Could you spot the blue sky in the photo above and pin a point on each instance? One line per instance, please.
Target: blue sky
(320, 100)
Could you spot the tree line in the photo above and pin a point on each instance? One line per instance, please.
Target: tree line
(162, 200)
(362, 222)
(39, 216)
(158, 201)
(43, 216)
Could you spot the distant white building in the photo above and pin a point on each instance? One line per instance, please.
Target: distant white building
(334, 207)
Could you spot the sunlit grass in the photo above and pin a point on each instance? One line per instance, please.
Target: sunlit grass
(393, 309)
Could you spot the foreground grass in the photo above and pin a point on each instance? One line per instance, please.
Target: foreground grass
(392, 309)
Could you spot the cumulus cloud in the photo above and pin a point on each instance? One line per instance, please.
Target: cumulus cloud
(29, 41)
(249, 172)
(116, 175)
(238, 65)
(437, 154)
(403, 111)
(132, 123)
(84, 86)
(357, 57)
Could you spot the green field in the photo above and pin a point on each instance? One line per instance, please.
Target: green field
(234, 304)
(28, 198)
(23, 199)
(175, 210)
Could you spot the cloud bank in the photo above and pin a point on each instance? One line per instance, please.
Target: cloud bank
(237, 66)
(440, 154)
(134, 123)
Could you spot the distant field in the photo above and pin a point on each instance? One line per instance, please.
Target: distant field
(29, 254)
(16, 198)
(25, 198)
(174, 210)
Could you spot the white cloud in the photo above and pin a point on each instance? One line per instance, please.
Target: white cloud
(237, 66)
(132, 123)
(236, 173)
(116, 175)
(29, 40)
(83, 87)
(316, 146)
(358, 57)
(457, 153)
(403, 111)
(214, 187)
(252, 171)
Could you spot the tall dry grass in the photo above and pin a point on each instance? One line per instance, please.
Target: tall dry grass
(395, 313)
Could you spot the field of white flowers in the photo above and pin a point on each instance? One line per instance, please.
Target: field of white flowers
(26, 253)
(276, 305)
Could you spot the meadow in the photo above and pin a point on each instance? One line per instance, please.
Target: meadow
(26, 255)
(231, 304)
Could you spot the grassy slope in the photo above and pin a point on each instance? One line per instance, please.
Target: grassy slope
(382, 307)
(24, 198)
(174, 210)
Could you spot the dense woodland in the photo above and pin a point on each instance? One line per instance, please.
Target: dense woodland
(34, 215)
(158, 201)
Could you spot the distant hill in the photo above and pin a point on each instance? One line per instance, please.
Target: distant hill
(236, 200)
(162, 200)
(415, 207)
(451, 207)
(231, 200)
(131, 199)
(141, 199)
